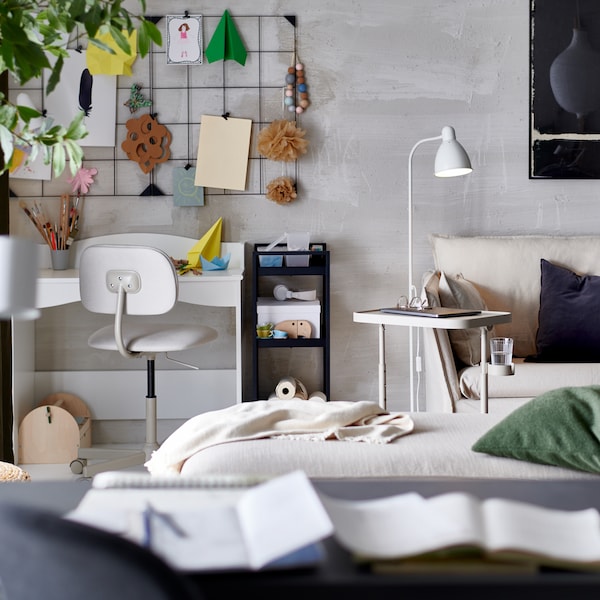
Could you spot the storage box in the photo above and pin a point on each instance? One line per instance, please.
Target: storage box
(274, 311)
(270, 259)
(297, 240)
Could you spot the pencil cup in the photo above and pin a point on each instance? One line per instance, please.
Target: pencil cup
(60, 259)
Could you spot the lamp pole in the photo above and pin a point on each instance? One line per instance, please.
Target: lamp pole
(451, 161)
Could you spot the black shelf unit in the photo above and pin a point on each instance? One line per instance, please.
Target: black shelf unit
(318, 265)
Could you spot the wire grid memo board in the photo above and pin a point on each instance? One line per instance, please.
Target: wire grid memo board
(180, 95)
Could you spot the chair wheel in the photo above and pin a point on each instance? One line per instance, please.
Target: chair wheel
(77, 466)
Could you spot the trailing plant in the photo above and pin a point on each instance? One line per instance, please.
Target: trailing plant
(32, 41)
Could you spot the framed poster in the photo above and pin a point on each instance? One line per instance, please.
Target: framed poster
(564, 89)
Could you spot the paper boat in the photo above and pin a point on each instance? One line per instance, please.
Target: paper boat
(216, 264)
(207, 247)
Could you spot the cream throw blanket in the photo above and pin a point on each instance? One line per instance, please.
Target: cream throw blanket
(298, 419)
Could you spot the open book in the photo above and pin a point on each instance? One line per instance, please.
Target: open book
(457, 524)
(276, 523)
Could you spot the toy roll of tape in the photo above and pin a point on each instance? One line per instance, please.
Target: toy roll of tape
(290, 387)
(318, 397)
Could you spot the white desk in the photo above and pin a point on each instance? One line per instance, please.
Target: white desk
(55, 288)
(483, 320)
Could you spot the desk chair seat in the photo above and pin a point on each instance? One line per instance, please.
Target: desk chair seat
(48, 557)
(130, 282)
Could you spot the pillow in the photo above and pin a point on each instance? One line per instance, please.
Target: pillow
(560, 427)
(569, 316)
(457, 292)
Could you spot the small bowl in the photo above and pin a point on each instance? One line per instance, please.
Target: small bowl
(278, 334)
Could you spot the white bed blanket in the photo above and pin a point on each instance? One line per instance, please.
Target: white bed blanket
(296, 419)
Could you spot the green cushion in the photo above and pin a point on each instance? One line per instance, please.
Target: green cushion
(560, 427)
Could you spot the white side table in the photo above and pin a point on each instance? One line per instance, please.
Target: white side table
(482, 320)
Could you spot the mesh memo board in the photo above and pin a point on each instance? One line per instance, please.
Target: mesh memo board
(180, 94)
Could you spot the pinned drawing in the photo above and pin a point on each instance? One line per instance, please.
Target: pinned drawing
(226, 43)
(185, 192)
(74, 93)
(184, 40)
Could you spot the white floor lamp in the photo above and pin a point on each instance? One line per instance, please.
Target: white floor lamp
(451, 160)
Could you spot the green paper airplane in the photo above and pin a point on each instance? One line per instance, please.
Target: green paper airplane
(226, 43)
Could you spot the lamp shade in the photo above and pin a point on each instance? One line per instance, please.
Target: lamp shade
(451, 159)
(18, 278)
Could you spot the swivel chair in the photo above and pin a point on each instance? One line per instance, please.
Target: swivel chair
(127, 282)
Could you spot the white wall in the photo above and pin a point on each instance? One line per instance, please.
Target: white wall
(381, 75)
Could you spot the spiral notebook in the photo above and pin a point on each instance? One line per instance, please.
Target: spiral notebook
(124, 479)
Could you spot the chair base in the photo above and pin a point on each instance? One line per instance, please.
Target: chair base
(109, 459)
(113, 459)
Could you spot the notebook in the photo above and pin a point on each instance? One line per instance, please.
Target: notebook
(435, 311)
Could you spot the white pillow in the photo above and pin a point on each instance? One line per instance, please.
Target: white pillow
(457, 292)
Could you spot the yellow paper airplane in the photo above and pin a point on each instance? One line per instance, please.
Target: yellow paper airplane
(208, 246)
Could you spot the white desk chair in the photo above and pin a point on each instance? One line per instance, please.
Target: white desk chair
(127, 280)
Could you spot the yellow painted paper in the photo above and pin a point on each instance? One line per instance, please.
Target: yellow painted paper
(223, 150)
(100, 62)
(208, 246)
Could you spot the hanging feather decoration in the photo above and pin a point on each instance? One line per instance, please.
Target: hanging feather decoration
(85, 92)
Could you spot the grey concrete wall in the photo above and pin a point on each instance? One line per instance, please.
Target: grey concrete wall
(382, 75)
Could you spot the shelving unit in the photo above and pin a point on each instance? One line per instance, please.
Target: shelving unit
(318, 267)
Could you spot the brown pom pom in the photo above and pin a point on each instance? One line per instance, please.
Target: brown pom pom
(282, 140)
(281, 190)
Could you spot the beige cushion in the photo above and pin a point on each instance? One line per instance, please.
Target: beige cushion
(506, 271)
(456, 292)
(530, 379)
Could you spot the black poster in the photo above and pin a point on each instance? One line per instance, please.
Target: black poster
(565, 89)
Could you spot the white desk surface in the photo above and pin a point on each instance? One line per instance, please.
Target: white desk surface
(56, 288)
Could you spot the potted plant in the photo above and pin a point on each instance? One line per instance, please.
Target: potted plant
(30, 33)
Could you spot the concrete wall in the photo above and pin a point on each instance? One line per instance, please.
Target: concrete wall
(382, 75)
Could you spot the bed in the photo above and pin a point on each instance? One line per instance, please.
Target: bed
(552, 437)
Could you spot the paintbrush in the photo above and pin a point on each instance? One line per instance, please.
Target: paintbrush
(37, 224)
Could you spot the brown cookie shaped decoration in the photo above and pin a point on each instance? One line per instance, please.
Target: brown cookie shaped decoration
(147, 142)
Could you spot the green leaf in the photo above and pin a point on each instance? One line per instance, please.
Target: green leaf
(152, 31)
(77, 129)
(55, 74)
(120, 39)
(6, 144)
(27, 113)
(58, 159)
(75, 154)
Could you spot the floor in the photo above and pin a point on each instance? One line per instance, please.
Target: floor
(60, 472)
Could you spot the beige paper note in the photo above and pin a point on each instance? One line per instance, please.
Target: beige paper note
(223, 150)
